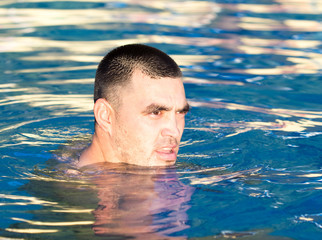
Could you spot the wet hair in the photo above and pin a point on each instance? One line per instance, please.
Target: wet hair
(116, 69)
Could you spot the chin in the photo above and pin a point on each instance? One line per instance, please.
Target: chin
(155, 161)
(163, 163)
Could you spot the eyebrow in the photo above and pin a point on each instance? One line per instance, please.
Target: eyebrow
(159, 107)
(186, 108)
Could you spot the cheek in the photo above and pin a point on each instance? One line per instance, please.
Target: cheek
(148, 133)
(141, 131)
(181, 124)
(127, 124)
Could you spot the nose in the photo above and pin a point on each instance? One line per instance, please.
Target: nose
(171, 128)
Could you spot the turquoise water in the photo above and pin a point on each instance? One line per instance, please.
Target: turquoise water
(250, 160)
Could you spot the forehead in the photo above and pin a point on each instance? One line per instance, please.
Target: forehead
(145, 90)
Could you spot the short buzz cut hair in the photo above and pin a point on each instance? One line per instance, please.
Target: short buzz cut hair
(116, 69)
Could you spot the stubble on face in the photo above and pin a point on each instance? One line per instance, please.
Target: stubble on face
(129, 148)
(127, 145)
(123, 143)
(136, 138)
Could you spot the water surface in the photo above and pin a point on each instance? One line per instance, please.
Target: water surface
(250, 160)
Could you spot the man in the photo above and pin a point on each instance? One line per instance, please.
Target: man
(139, 108)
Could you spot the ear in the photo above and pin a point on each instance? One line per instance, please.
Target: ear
(104, 114)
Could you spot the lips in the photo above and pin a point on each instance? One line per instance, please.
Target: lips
(167, 153)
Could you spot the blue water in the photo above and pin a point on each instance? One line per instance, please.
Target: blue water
(250, 160)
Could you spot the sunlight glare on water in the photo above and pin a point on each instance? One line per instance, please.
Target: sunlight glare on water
(250, 161)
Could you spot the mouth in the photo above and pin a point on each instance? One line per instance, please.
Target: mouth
(168, 153)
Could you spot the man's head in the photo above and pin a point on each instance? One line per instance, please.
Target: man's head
(140, 107)
(116, 69)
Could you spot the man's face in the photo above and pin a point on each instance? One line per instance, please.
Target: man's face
(150, 121)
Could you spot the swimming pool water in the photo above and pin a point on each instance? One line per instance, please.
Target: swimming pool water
(250, 159)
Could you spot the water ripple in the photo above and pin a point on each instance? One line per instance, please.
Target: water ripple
(250, 159)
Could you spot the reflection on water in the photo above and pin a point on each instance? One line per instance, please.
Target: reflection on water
(146, 206)
(250, 159)
(130, 201)
(116, 201)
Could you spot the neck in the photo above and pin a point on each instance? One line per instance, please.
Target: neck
(100, 150)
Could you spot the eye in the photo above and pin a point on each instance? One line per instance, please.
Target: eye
(156, 113)
(183, 112)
